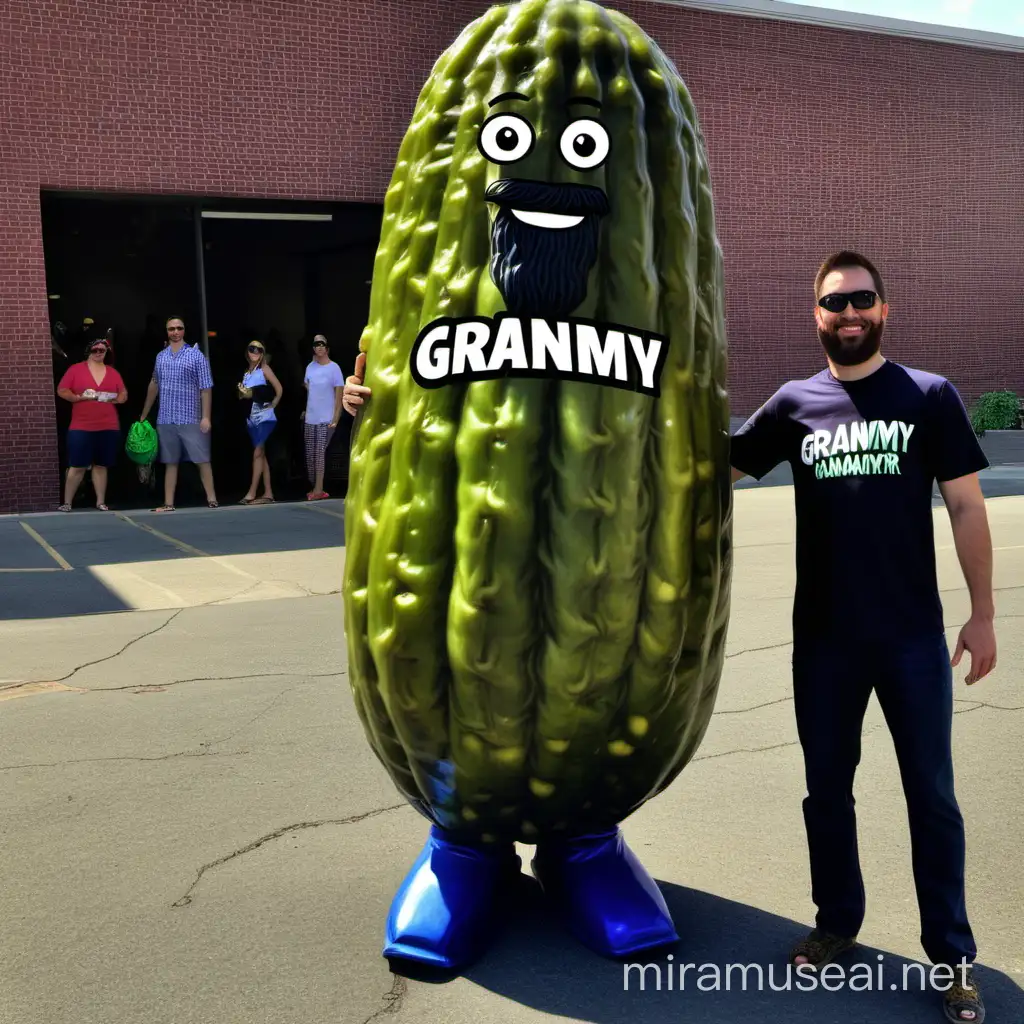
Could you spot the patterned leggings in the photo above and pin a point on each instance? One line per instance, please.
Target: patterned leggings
(318, 437)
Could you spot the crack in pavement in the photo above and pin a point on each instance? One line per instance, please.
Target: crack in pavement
(143, 687)
(255, 718)
(752, 650)
(230, 597)
(984, 704)
(153, 632)
(161, 757)
(743, 711)
(281, 583)
(997, 590)
(789, 643)
(746, 750)
(135, 640)
(775, 746)
(284, 830)
(958, 700)
(109, 657)
(259, 583)
(393, 999)
(305, 589)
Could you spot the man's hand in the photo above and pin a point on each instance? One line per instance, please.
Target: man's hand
(204, 425)
(351, 396)
(979, 637)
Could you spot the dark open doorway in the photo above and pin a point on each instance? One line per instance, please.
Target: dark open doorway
(279, 271)
(122, 265)
(283, 282)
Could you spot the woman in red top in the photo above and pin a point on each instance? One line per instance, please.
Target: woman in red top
(94, 437)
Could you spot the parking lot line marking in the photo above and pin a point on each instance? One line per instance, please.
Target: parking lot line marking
(188, 549)
(48, 548)
(179, 544)
(323, 511)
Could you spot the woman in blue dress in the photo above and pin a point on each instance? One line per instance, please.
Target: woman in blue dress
(261, 387)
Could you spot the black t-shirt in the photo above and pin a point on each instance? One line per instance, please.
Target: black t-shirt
(865, 455)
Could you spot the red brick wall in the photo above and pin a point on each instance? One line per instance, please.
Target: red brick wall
(819, 139)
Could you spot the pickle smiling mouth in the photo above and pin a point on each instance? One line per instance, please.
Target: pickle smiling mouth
(544, 242)
(539, 219)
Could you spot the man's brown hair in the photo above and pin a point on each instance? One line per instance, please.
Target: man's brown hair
(848, 258)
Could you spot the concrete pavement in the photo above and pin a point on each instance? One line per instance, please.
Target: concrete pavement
(193, 828)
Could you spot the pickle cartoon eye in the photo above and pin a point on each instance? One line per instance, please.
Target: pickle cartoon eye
(505, 138)
(585, 144)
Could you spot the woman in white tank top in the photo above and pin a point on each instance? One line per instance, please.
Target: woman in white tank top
(261, 388)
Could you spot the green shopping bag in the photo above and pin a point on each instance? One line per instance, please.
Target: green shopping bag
(142, 444)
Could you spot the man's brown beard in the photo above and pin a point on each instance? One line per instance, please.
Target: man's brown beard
(848, 353)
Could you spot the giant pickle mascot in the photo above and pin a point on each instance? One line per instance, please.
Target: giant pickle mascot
(538, 522)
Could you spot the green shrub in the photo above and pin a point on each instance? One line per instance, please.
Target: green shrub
(996, 410)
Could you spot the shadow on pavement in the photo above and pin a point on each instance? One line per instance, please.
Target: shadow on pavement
(58, 594)
(36, 550)
(535, 963)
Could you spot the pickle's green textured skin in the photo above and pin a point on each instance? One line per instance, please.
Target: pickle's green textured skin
(537, 577)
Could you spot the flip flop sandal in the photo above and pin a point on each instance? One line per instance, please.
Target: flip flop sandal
(213, 504)
(164, 508)
(820, 948)
(958, 998)
(246, 501)
(264, 501)
(64, 508)
(102, 508)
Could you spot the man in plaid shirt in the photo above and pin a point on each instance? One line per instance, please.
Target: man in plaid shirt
(182, 379)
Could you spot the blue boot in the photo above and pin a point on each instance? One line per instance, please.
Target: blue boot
(444, 914)
(611, 904)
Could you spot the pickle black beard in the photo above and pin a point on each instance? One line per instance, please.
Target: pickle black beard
(543, 270)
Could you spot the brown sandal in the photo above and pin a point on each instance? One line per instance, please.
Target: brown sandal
(959, 998)
(820, 948)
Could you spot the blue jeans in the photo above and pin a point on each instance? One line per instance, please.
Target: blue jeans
(913, 681)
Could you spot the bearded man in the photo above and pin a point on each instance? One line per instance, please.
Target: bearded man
(867, 439)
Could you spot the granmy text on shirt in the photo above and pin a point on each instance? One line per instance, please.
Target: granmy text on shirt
(857, 448)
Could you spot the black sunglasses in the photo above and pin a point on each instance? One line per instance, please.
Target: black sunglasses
(175, 328)
(836, 302)
(98, 348)
(255, 348)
